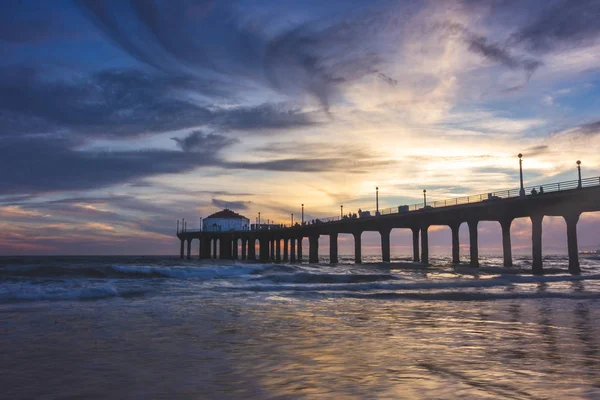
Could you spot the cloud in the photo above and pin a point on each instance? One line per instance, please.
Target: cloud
(200, 142)
(563, 23)
(116, 104)
(232, 205)
(44, 165)
(314, 57)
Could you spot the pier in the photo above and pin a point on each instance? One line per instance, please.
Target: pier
(284, 243)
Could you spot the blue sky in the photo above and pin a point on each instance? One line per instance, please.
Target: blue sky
(119, 117)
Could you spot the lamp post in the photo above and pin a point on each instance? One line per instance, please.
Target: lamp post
(342, 211)
(579, 174)
(424, 198)
(258, 219)
(302, 213)
(177, 226)
(292, 220)
(183, 224)
(377, 200)
(522, 190)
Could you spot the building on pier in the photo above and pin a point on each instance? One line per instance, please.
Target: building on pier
(225, 220)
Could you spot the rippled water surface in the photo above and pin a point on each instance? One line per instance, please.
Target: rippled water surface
(151, 327)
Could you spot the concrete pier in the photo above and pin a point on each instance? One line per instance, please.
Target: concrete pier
(473, 242)
(424, 244)
(357, 247)
(455, 243)
(571, 221)
(313, 242)
(567, 203)
(536, 239)
(385, 245)
(292, 250)
(415, 241)
(506, 245)
(333, 248)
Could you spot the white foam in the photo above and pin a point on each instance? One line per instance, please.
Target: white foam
(21, 291)
(184, 272)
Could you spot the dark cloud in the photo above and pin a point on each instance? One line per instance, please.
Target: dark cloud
(117, 103)
(309, 58)
(264, 116)
(124, 103)
(559, 24)
(590, 129)
(502, 55)
(232, 205)
(44, 165)
(313, 165)
(200, 142)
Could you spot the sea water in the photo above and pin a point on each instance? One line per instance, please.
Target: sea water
(164, 328)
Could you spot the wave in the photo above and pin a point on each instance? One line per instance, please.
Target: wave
(473, 296)
(129, 271)
(289, 283)
(35, 292)
(307, 277)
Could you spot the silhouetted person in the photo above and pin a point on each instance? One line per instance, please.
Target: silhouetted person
(541, 190)
(533, 191)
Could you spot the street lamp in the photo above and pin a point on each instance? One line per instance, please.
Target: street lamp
(292, 220)
(258, 219)
(377, 201)
(579, 173)
(342, 211)
(522, 190)
(302, 213)
(424, 198)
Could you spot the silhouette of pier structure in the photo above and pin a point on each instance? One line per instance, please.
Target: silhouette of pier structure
(284, 243)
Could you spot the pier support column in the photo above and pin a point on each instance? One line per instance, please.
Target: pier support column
(292, 250)
(285, 249)
(506, 244)
(189, 249)
(571, 221)
(385, 245)
(224, 248)
(278, 250)
(181, 249)
(263, 249)
(415, 234)
(300, 249)
(357, 247)
(313, 242)
(244, 244)
(333, 248)
(455, 243)
(214, 253)
(536, 238)
(473, 243)
(234, 249)
(272, 252)
(424, 245)
(205, 247)
(252, 249)
(200, 248)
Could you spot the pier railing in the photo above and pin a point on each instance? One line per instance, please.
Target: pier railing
(489, 196)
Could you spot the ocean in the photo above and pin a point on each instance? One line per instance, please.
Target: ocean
(165, 328)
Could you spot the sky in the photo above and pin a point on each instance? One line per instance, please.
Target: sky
(119, 117)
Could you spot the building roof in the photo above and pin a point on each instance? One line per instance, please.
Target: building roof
(226, 213)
